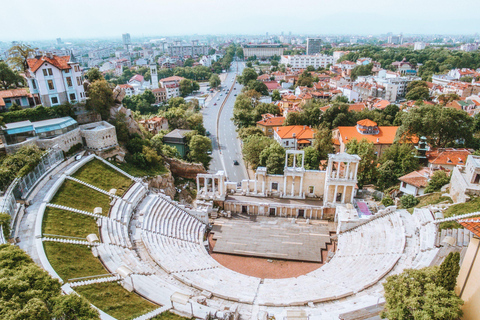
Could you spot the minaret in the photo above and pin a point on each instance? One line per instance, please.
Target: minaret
(154, 76)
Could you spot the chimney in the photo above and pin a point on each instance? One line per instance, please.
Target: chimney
(378, 140)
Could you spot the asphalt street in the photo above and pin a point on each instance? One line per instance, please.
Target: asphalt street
(229, 149)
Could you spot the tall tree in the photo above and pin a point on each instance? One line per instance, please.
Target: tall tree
(367, 168)
(323, 142)
(273, 157)
(93, 75)
(253, 147)
(214, 81)
(247, 75)
(397, 160)
(100, 96)
(199, 147)
(448, 272)
(9, 78)
(18, 56)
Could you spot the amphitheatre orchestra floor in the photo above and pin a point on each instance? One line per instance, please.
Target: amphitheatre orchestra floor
(274, 238)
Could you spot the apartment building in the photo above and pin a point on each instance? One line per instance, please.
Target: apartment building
(303, 61)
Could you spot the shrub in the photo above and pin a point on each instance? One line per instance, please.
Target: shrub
(387, 201)
(438, 180)
(408, 201)
(5, 223)
(73, 149)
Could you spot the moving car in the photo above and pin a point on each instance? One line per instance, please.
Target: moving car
(235, 163)
(215, 104)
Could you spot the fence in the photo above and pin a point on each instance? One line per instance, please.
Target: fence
(26, 183)
(8, 203)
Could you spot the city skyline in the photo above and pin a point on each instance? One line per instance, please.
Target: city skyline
(248, 17)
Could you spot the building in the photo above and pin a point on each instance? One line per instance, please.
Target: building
(447, 158)
(469, 47)
(398, 39)
(415, 182)
(61, 132)
(269, 122)
(20, 97)
(181, 50)
(298, 62)
(154, 76)
(465, 180)
(129, 89)
(404, 67)
(160, 95)
(314, 45)
(126, 41)
(381, 136)
(419, 46)
(176, 138)
(155, 125)
(294, 137)
(262, 51)
(55, 79)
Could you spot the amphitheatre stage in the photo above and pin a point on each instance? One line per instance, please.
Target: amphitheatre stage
(274, 238)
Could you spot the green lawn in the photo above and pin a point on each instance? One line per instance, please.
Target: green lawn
(75, 195)
(432, 198)
(458, 209)
(167, 315)
(66, 223)
(113, 299)
(72, 260)
(138, 172)
(102, 176)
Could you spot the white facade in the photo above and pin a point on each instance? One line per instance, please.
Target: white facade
(419, 46)
(303, 61)
(411, 189)
(55, 79)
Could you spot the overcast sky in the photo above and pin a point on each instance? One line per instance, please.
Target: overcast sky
(48, 19)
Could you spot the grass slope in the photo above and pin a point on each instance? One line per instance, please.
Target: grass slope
(102, 176)
(167, 315)
(66, 223)
(458, 209)
(72, 261)
(78, 196)
(139, 172)
(113, 299)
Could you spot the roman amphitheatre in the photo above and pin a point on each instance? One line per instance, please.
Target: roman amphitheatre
(134, 253)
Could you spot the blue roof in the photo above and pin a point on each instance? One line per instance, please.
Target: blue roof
(23, 129)
(53, 124)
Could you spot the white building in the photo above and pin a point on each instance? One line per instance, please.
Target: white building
(468, 47)
(55, 79)
(419, 45)
(303, 61)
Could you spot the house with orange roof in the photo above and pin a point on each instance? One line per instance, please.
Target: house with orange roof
(447, 158)
(381, 136)
(55, 79)
(21, 97)
(128, 88)
(294, 137)
(269, 122)
(155, 125)
(360, 106)
(380, 104)
(288, 101)
(415, 182)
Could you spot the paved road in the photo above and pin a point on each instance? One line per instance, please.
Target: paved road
(229, 148)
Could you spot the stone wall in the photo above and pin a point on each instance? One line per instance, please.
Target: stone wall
(64, 141)
(184, 169)
(165, 182)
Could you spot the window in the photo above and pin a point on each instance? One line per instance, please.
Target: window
(54, 100)
(404, 184)
(274, 186)
(45, 72)
(311, 189)
(286, 143)
(34, 85)
(79, 81)
(69, 82)
(50, 85)
(73, 97)
(67, 71)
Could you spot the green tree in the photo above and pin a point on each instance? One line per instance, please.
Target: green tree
(74, 307)
(323, 142)
(413, 294)
(305, 79)
(5, 224)
(448, 272)
(362, 70)
(247, 75)
(18, 56)
(214, 81)
(397, 160)
(253, 147)
(9, 78)
(258, 86)
(418, 93)
(239, 53)
(367, 167)
(438, 180)
(312, 158)
(273, 157)
(243, 133)
(408, 201)
(276, 95)
(93, 75)
(188, 62)
(100, 98)
(199, 147)
(188, 86)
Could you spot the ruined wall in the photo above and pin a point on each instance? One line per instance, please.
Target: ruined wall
(165, 182)
(184, 169)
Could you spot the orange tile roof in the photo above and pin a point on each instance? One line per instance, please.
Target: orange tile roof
(449, 156)
(386, 135)
(272, 122)
(173, 78)
(367, 123)
(301, 132)
(357, 107)
(60, 62)
(382, 104)
(12, 93)
(472, 224)
(418, 178)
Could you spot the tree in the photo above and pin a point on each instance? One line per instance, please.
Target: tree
(397, 160)
(100, 98)
(408, 201)
(74, 307)
(418, 93)
(188, 62)
(323, 142)
(199, 147)
(258, 86)
(188, 86)
(276, 95)
(273, 157)
(5, 224)
(414, 294)
(214, 81)
(362, 70)
(253, 147)
(93, 75)
(438, 180)
(9, 78)
(243, 133)
(305, 79)
(448, 272)
(239, 53)
(367, 171)
(312, 158)
(247, 75)
(18, 56)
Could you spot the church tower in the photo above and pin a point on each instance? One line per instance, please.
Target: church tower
(154, 76)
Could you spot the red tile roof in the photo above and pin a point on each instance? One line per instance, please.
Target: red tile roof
(60, 62)
(448, 156)
(272, 122)
(386, 135)
(137, 77)
(173, 78)
(418, 178)
(357, 107)
(382, 104)
(12, 93)
(367, 123)
(472, 224)
(299, 132)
